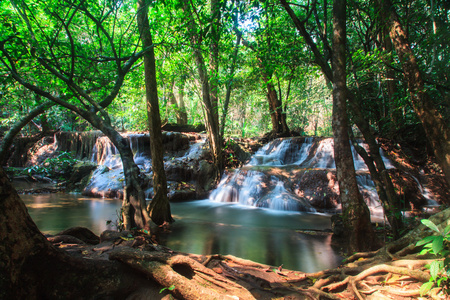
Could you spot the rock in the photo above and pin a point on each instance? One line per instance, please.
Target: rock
(111, 235)
(80, 176)
(83, 234)
(184, 128)
(337, 226)
(175, 141)
(180, 195)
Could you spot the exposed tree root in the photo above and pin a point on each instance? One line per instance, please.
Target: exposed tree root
(396, 271)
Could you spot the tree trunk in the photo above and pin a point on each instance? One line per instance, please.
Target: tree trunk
(31, 268)
(277, 116)
(358, 118)
(17, 127)
(230, 84)
(437, 131)
(208, 98)
(356, 215)
(159, 208)
(181, 105)
(178, 105)
(134, 209)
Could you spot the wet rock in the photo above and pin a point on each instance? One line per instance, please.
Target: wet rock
(319, 187)
(184, 128)
(175, 141)
(82, 172)
(183, 193)
(205, 175)
(337, 226)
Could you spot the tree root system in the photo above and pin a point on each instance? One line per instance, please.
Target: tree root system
(395, 271)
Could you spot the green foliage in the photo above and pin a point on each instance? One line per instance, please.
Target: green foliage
(58, 167)
(439, 246)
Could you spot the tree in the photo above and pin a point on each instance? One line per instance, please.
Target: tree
(375, 162)
(209, 86)
(7, 141)
(435, 126)
(159, 208)
(356, 215)
(85, 86)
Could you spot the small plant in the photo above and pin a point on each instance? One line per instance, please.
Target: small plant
(170, 288)
(439, 269)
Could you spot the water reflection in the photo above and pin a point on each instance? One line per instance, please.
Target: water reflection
(53, 213)
(205, 227)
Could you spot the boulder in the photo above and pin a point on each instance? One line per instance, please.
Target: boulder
(81, 174)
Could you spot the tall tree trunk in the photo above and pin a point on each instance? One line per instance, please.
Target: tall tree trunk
(209, 104)
(230, 84)
(358, 118)
(437, 131)
(159, 207)
(179, 95)
(277, 116)
(356, 215)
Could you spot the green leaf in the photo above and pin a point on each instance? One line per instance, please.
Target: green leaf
(430, 225)
(438, 244)
(425, 288)
(446, 230)
(425, 240)
(434, 269)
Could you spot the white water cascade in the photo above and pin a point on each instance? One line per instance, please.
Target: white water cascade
(296, 174)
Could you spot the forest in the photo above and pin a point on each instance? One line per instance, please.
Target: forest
(333, 114)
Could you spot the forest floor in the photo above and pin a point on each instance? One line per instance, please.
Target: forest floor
(395, 271)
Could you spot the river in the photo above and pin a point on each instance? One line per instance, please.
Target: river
(206, 227)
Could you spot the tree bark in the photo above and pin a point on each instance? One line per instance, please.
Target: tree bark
(358, 118)
(230, 84)
(31, 268)
(159, 207)
(277, 116)
(356, 215)
(17, 127)
(437, 131)
(209, 103)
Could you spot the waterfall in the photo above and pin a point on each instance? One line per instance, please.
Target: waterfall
(294, 174)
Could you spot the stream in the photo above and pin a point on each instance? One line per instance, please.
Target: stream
(274, 210)
(206, 227)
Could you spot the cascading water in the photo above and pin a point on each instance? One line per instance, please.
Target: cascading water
(292, 174)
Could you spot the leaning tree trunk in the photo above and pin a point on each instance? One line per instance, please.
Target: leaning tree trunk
(356, 215)
(209, 102)
(159, 208)
(8, 139)
(437, 131)
(134, 209)
(31, 268)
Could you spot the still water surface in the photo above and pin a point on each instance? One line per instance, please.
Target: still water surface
(205, 227)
